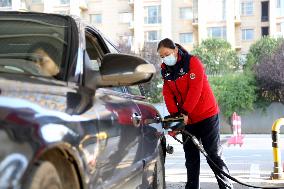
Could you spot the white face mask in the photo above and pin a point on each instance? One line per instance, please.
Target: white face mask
(170, 60)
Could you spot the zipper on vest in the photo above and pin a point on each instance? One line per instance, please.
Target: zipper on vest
(179, 94)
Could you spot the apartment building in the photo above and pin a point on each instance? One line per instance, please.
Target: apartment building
(258, 18)
(74, 7)
(188, 22)
(136, 22)
(8, 5)
(114, 18)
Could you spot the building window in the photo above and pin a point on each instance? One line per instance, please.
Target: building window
(264, 31)
(217, 32)
(264, 11)
(152, 36)
(219, 7)
(247, 34)
(185, 38)
(64, 12)
(278, 3)
(280, 7)
(36, 1)
(96, 18)
(153, 15)
(5, 3)
(247, 8)
(185, 13)
(125, 17)
(64, 2)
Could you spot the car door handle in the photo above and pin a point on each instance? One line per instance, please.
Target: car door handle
(136, 119)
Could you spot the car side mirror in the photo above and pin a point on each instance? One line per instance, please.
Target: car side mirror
(124, 70)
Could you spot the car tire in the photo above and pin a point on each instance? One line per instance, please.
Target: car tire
(159, 171)
(43, 176)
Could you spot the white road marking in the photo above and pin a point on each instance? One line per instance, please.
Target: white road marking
(254, 171)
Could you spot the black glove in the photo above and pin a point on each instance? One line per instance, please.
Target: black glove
(173, 118)
(183, 112)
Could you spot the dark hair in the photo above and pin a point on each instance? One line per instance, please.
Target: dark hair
(166, 43)
(48, 48)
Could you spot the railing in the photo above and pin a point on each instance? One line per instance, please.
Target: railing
(264, 18)
(195, 21)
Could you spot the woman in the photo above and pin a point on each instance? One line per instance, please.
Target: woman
(187, 92)
(46, 59)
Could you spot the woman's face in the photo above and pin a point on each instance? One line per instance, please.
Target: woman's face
(164, 52)
(47, 65)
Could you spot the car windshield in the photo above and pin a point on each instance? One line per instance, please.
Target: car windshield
(32, 44)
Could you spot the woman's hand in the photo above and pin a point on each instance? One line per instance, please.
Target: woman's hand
(185, 119)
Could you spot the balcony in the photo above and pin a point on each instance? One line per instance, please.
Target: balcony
(264, 18)
(237, 20)
(195, 22)
(238, 47)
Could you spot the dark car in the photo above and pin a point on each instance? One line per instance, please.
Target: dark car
(68, 115)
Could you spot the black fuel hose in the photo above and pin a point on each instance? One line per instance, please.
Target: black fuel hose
(220, 171)
(179, 128)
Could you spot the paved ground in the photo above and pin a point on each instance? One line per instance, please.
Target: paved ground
(251, 163)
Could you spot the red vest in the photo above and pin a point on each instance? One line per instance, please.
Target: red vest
(186, 89)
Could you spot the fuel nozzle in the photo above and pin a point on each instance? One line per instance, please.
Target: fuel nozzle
(170, 121)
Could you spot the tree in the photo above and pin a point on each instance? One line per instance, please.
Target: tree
(262, 48)
(217, 56)
(270, 75)
(152, 90)
(234, 93)
(124, 48)
(264, 61)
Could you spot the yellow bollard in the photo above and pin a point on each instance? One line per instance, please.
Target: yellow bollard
(278, 172)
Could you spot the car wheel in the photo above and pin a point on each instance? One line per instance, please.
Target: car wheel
(43, 176)
(159, 171)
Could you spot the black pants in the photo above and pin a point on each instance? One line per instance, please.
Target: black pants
(208, 132)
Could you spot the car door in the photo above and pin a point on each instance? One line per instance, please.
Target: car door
(118, 163)
(152, 134)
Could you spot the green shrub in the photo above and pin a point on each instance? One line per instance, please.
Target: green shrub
(153, 89)
(234, 93)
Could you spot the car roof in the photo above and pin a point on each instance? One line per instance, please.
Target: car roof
(77, 19)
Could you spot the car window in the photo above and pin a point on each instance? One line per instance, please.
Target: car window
(118, 89)
(95, 55)
(32, 45)
(111, 47)
(94, 52)
(134, 90)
